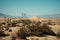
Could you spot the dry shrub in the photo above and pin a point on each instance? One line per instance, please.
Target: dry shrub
(31, 29)
(34, 29)
(2, 31)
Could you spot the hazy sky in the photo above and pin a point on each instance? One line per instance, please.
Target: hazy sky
(30, 7)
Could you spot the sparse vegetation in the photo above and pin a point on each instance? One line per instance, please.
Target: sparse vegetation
(27, 29)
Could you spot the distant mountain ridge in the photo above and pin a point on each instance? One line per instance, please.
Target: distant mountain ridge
(4, 15)
(51, 16)
(44, 16)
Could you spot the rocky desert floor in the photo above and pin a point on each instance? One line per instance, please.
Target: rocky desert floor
(13, 29)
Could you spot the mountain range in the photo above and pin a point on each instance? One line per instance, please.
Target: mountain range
(5, 15)
(51, 16)
(44, 16)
